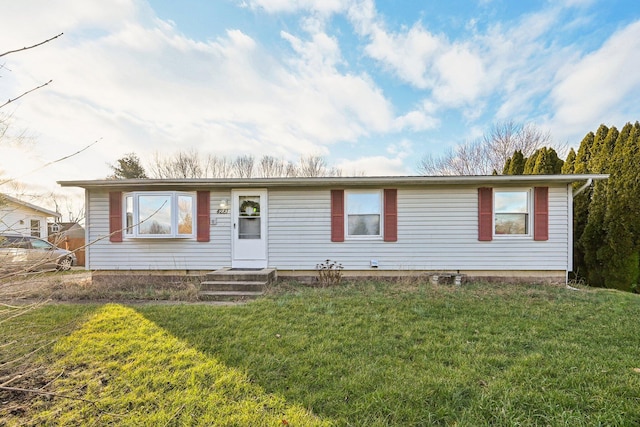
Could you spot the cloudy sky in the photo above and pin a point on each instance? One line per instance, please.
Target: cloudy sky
(371, 85)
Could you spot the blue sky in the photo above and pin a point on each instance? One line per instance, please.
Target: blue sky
(373, 86)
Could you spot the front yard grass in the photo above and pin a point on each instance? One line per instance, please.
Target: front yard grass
(371, 354)
(378, 354)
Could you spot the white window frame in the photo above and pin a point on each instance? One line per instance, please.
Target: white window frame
(132, 231)
(37, 230)
(530, 213)
(348, 236)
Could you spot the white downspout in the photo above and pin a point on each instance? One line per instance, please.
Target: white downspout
(575, 193)
(584, 187)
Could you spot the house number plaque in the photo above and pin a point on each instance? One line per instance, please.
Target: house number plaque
(223, 211)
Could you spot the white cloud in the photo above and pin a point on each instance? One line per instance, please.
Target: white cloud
(410, 55)
(416, 120)
(402, 149)
(462, 77)
(142, 86)
(290, 6)
(601, 85)
(374, 166)
(453, 73)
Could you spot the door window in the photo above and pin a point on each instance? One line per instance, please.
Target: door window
(249, 217)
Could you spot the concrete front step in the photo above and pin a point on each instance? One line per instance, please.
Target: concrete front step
(227, 295)
(232, 285)
(227, 284)
(266, 275)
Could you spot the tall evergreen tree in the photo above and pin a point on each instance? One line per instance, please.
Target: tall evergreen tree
(530, 163)
(556, 162)
(517, 163)
(543, 165)
(594, 232)
(619, 252)
(568, 166)
(581, 205)
(507, 166)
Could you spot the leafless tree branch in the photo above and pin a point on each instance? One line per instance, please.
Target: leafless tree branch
(10, 100)
(53, 161)
(30, 47)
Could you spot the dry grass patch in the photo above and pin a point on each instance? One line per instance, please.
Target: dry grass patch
(79, 286)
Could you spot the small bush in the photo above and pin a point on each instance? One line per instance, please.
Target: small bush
(329, 273)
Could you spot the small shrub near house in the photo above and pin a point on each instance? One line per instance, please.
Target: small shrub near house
(329, 273)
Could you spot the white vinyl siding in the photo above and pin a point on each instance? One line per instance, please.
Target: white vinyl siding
(437, 230)
(18, 220)
(155, 254)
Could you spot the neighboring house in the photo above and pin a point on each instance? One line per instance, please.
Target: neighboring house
(485, 227)
(20, 217)
(69, 236)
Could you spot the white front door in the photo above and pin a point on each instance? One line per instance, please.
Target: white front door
(249, 218)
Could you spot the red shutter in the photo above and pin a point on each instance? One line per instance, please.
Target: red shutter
(203, 215)
(541, 213)
(390, 215)
(485, 214)
(337, 215)
(115, 216)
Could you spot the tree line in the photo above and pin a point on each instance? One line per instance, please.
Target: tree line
(192, 164)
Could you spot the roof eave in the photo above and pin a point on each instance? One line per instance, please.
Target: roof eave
(332, 181)
(44, 211)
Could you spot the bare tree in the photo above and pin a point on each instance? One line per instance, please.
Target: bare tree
(64, 205)
(191, 164)
(243, 166)
(315, 165)
(488, 154)
(217, 167)
(291, 171)
(183, 164)
(270, 166)
(13, 136)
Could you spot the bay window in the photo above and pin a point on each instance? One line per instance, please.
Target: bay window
(159, 214)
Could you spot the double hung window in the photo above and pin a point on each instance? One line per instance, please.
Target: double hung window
(363, 213)
(34, 225)
(512, 213)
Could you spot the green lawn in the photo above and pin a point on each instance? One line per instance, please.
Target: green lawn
(361, 355)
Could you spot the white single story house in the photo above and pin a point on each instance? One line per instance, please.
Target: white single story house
(20, 217)
(485, 227)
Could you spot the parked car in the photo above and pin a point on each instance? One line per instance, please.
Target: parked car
(31, 253)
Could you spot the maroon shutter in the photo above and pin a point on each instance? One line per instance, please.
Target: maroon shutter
(541, 213)
(485, 214)
(337, 215)
(390, 215)
(203, 215)
(115, 216)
